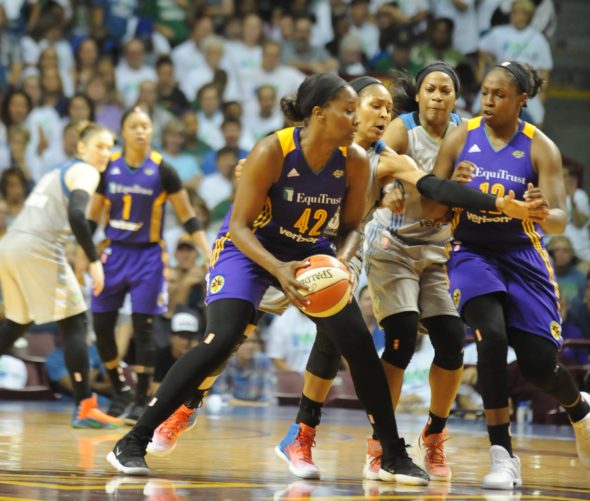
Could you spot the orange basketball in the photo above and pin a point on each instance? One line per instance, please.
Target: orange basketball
(329, 288)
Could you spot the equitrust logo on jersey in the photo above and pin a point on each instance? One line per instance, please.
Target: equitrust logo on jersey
(288, 194)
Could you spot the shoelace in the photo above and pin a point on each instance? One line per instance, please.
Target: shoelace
(375, 461)
(435, 451)
(173, 426)
(306, 442)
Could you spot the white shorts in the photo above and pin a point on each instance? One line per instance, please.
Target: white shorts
(38, 285)
(407, 278)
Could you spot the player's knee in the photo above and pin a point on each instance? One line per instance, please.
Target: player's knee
(401, 331)
(322, 364)
(448, 343)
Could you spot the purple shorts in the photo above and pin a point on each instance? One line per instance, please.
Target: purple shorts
(136, 270)
(235, 276)
(524, 274)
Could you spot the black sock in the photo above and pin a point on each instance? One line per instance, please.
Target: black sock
(500, 435)
(117, 378)
(435, 424)
(578, 410)
(144, 380)
(310, 412)
(196, 400)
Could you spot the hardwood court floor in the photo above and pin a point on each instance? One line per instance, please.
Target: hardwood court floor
(230, 456)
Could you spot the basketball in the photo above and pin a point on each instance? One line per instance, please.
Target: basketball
(329, 288)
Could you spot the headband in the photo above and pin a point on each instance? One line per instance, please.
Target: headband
(358, 84)
(324, 87)
(438, 66)
(518, 73)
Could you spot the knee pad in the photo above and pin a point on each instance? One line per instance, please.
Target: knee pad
(145, 347)
(324, 358)
(401, 331)
(447, 335)
(104, 328)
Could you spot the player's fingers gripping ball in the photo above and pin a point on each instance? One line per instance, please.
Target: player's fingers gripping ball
(328, 282)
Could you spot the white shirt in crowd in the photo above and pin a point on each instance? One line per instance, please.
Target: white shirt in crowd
(580, 237)
(128, 80)
(466, 32)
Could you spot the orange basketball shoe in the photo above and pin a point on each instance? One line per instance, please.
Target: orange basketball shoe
(295, 449)
(372, 460)
(431, 451)
(166, 435)
(88, 415)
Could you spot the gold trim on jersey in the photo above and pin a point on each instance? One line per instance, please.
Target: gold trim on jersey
(287, 140)
(474, 123)
(343, 150)
(264, 217)
(156, 219)
(156, 157)
(218, 246)
(531, 232)
(529, 130)
(116, 156)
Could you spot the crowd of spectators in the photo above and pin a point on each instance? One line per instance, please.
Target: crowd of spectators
(211, 74)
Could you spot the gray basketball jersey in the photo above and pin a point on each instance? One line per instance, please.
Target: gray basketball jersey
(410, 227)
(45, 213)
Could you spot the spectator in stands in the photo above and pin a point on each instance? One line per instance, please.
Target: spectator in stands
(169, 94)
(351, 58)
(210, 115)
(578, 212)
(148, 100)
(248, 375)
(193, 144)
(188, 56)
(569, 330)
(519, 41)
(411, 14)
(363, 27)
(132, 71)
(232, 133)
(21, 157)
(86, 56)
(107, 111)
(60, 377)
(571, 281)
(290, 339)
(49, 59)
(266, 119)
(301, 54)
(246, 53)
(3, 222)
(109, 21)
(579, 311)
(191, 275)
(463, 14)
(283, 78)
(80, 107)
(173, 137)
(397, 56)
(52, 92)
(186, 331)
(218, 188)
(439, 45)
(168, 18)
(13, 188)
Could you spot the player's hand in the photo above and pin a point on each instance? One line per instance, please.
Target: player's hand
(81, 266)
(517, 209)
(238, 170)
(285, 274)
(534, 193)
(97, 274)
(394, 200)
(463, 172)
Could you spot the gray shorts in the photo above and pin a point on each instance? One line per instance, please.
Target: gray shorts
(407, 278)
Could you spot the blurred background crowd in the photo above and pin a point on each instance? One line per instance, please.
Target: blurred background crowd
(211, 74)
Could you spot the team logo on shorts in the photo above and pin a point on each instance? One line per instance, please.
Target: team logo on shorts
(217, 284)
(377, 302)
(457, 297)
(518, 154)
(149, 172)
(338, 173)
(555, 329)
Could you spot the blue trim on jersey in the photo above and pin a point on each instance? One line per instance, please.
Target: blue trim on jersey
(408, 119)
(62, 175)
(456, 118)
(379, 146)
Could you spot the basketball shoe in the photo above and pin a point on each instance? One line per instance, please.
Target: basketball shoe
(505, 471)
(166, 435)
(88, 415)
(398, 467)
(582, 431)
(372, 460)
(431, 454)
(128, 454)
(136, 411)
(120, 402)
(295, 449)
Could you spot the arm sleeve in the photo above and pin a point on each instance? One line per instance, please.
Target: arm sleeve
(77, 218)
(170, 178)
(101, 188)
(454, 194)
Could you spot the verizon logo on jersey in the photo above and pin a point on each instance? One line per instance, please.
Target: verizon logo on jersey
(297, 237)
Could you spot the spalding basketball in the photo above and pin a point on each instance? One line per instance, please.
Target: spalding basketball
(329, 288)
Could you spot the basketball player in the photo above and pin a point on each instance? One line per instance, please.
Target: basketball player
(375, 110)
(135, 187)
(293, 183)
(38, 285)
(514, 300)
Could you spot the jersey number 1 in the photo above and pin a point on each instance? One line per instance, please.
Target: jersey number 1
(126, 206)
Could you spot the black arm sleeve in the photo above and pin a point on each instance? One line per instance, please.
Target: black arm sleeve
(454, 194)
(170, 179)
(77, 217)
